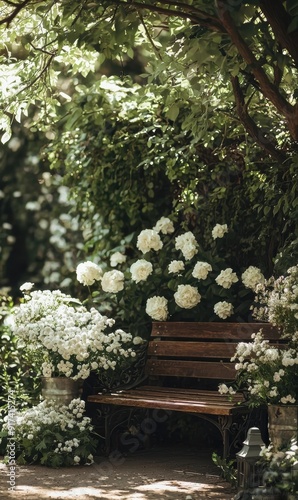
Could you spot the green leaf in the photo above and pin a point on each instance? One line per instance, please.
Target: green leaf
(42, 445)
(173, 112)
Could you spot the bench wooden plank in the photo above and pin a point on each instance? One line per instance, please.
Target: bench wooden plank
(191, 369)
(178, 393)
(234, 331)
(191, 393)
(191, 349)
(164, 402)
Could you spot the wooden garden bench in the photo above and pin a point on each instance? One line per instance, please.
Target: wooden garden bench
(185, 363)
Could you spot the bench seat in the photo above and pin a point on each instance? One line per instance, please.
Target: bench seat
(175, 399)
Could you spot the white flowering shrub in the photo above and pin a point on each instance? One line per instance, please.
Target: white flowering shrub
(69, 339)
(266, 373)
(269, 374)
(175, 278)
(53, 436)
(277, 302)
(280, 469)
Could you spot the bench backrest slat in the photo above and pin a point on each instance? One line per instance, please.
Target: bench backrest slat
(200, 350)
(201, 330)
(192, 369)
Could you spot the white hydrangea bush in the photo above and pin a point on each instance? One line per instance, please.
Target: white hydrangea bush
(175, 278)
(53, 435)
(70, 340)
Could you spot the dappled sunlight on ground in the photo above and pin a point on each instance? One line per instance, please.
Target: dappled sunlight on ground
(155, 474)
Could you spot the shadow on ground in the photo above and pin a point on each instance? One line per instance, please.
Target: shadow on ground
(175, 473)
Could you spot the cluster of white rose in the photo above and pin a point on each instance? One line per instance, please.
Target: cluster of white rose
(252, 277)
(186, 296)
(66, 424)
(263, 370)
(187, 244)
(72, 340)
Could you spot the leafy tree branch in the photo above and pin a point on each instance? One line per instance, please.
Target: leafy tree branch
(280, 21)
(269, 90)
(254, 131)
(17, 7)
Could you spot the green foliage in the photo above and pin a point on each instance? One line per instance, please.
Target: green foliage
(40, 238)
(227, 468)
(18, 369)
(127, 164)
(195, 40)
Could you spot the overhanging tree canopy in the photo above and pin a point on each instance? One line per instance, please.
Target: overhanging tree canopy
(224, 73)
(253, 43)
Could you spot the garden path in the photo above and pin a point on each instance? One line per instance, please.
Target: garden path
(162, 473)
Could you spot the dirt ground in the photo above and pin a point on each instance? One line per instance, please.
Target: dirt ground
(159, 473)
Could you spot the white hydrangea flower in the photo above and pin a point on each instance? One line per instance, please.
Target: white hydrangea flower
(88, 272)
(140, 270)
(176, 266)
(252, 277)
(164, 225)
(112, 281)
(226, 278)
(201, 270)
(157, 308)
(219, 231)
(117, 258)
(187, 296)
(223, 309)
(187, 243)
(149, 239)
